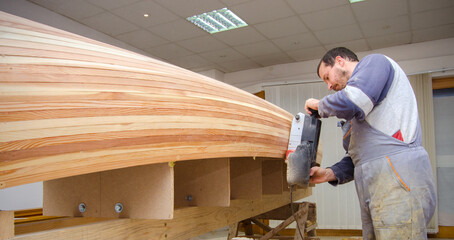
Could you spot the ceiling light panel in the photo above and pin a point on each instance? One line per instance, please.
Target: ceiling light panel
(217, 21)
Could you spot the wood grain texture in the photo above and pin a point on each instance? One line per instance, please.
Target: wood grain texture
(70, 105)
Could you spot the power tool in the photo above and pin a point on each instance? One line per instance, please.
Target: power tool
(302, 148)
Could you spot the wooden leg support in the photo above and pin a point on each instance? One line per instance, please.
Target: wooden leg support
(233, 231)
(303, 213)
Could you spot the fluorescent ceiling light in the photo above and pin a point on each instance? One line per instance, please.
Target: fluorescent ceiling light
(355, 1)
(217, 21)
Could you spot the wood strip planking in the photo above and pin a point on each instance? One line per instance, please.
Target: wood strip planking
(71, 105)
(62, 165)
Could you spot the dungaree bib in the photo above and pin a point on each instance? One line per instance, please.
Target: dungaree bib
(394, 182)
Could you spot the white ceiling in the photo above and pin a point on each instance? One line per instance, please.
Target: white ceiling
(279, 31)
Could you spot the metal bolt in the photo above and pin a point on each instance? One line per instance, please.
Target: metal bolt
(118, 207)
(188, 198)
(82, 207)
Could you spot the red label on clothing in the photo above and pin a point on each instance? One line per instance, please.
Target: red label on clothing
(398, 135)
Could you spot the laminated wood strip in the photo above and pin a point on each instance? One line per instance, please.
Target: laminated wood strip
(87, 142)
(75, 163)
(70, 106)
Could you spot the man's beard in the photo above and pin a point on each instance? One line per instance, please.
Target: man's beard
(340, 75)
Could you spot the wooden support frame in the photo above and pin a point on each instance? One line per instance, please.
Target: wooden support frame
(180, 227)
(304, 214)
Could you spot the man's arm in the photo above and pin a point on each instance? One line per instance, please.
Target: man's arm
(340, 173)
(367, 87)
(344, 171)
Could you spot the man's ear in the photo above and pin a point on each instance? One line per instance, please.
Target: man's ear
(340, 61)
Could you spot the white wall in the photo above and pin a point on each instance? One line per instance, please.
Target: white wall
(22, 197)
(337, 207)
(444, 138)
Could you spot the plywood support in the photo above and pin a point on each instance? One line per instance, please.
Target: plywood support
(6, 224)
(273, 176)
(144, 192)
(202, 183)
(246, 178)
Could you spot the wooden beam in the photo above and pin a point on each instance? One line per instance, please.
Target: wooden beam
(187, 222)
(443, 232)
(260, 94)
(22, 228)
(442, 83)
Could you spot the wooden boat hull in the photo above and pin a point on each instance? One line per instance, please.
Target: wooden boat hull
(71, 105)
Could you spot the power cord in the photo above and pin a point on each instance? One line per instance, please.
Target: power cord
(293, 212)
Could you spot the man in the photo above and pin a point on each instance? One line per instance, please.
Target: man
(391, 169)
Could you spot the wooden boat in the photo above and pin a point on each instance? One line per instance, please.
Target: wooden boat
(101, 126)
(71, 106)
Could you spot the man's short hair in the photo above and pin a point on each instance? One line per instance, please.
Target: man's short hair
(330, 57)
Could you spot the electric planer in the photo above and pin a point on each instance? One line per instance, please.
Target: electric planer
(302, 148)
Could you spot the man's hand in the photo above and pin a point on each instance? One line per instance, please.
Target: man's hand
(311, 103)
(321, 175)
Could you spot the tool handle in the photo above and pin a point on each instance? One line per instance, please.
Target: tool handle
(314, 113)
